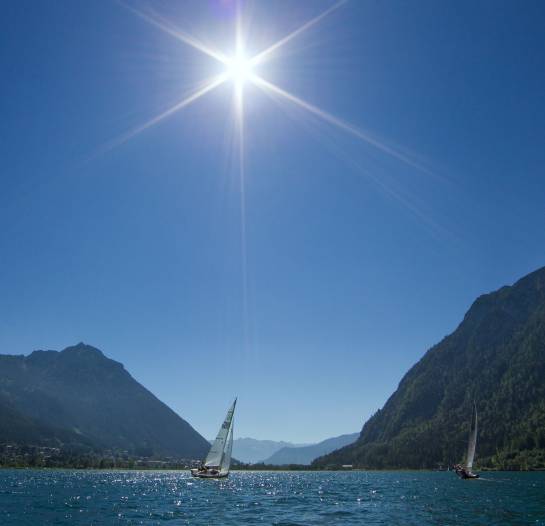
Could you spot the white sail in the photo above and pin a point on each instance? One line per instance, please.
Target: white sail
(226, 460)
(472, 441)
(215, 455)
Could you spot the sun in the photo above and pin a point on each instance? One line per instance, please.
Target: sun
(239, 68)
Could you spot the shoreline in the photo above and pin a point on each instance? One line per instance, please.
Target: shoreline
(265, 470)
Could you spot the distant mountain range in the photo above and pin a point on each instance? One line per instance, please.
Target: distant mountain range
(496, 357)
(306, 454)
(251, 450)
(80, 399)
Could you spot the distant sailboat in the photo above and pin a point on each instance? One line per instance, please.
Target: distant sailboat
(465, 472)
(218, 460)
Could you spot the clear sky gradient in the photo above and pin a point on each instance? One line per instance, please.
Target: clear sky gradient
(356, 261)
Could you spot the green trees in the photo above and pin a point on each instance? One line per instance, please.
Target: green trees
(80, 398)
(496, 357)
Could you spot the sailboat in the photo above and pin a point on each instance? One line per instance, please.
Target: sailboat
(465, 472)
(218, 460)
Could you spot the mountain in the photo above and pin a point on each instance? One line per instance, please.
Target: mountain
(78, 397)
(21, 429)
(306, 454)
(496, 357)
(250, 450)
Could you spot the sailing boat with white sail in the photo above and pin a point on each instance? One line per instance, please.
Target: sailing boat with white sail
(218, 460)
(465, 472)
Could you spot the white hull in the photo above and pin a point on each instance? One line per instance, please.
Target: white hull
(206, 475)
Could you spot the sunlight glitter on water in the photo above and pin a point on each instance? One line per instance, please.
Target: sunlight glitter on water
(30, 497)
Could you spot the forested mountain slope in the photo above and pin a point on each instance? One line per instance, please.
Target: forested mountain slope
(496, 357)
(80, 397)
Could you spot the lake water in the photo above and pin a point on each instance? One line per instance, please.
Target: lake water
(39, 498)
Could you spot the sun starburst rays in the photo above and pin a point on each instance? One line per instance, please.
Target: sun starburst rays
(335, 121)
(267, 53)
(190, 99)
(168, 28)
(239, 69)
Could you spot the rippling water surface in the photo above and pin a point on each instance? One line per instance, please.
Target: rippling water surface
(33, 497)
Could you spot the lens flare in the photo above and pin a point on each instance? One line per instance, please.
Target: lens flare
(238, 70)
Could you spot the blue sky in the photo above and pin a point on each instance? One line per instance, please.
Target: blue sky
(356, 261)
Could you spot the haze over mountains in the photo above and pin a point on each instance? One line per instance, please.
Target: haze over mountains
(306, 454)
(496, 357)
(251, 450)
(78, 398)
